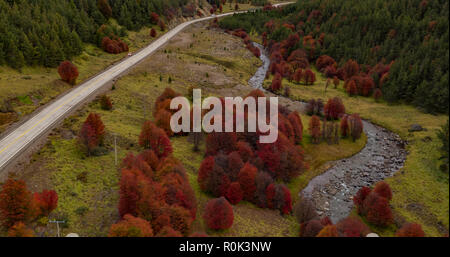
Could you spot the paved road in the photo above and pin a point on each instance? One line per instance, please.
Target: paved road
(22, 137)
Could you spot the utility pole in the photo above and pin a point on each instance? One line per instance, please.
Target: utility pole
(57, 224)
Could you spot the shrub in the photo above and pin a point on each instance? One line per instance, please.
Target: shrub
(304, 210)
(131, 227)
(324, 61)
(262, 181)
(224, 142)
(206, 168)
(383, 189)
(377, 210)
(352, 227)
(356, 126)
(97, 125)
(162, 120)
(351, 88)
(20, 230)
(359, 198)
(336, 81)
(15, 203)
(218, 214)
(235, 193)
(105, 103)
(328, 231)
(314, 129)
(276, 83)
(153, 32)
(410, 230)
(344, 126)
(246, 179)
(334, 109)
(377, 94)
(156, 139)
(311, 228)
(279, 197)
(309, 77)
(235, 165)
(46, 201)
(314, 107)
(167, 231)
(88, 138)
(245, 151)
(297, 126)
(68, 72)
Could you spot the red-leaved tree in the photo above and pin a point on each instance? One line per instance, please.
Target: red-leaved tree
(218, 214)
(235, 193)
(46, 201)
(156, 139)
(68, 72)
(131, 226)
(16, 203)
(410, 230)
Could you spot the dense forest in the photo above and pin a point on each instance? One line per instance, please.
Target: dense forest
(408, 38)
(46, 32)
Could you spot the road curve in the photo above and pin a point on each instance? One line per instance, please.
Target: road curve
(19, 139)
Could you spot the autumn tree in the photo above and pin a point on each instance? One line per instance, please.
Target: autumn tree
(336, 81)
(105, 103)
(20, 230)
(352, 227)
(68, 72)
(131, 226)
(16, 203)
(377, 210)
(309, 77)
(46, 201)
(324, 61)
(92, 132)
(314, 129)
(221, 141)
(154, 18)
(246, 179)
(153, 32)
(279, 198)
(355, 126)
(328, 231)
(297, 126)
(218, 214)
(410, 230)
(235, 193)
(156, 139)
(304, 210)
(311, 228)
(276, 83)
(334, 109)
(344, 128)
(383, 189)
(377, 94)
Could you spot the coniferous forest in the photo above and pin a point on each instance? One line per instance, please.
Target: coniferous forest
(409, 36)
(46, 32)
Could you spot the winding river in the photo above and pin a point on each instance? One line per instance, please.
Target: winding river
(333, 191)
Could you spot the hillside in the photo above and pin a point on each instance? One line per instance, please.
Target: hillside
(409, 37)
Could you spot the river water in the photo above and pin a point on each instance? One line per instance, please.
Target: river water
(333, 191)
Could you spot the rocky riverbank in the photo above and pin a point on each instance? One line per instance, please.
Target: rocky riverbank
(333, 191)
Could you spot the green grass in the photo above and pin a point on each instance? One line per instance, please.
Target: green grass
(20, 88)
(420, 182)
